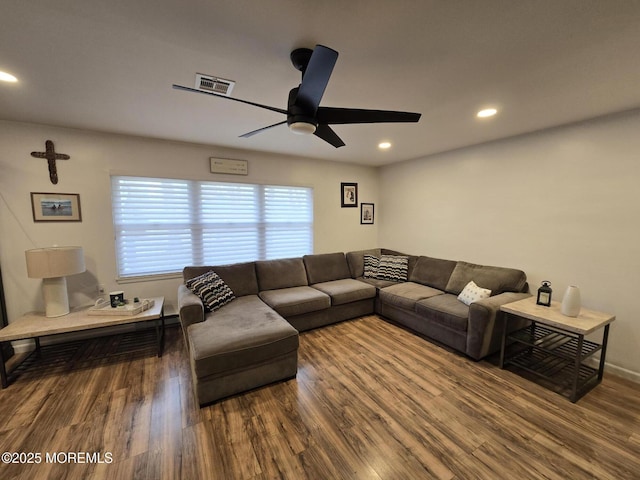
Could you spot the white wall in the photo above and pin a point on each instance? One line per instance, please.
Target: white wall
(94, 156)
(562, 205)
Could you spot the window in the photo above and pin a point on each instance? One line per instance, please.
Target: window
(163, 225)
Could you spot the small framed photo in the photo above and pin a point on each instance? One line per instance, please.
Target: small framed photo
(56, 207)
(349, 194)
(366, 213)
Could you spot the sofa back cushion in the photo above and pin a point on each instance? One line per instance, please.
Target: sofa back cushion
(281, 273)
(496, 279)
(241, 277)
(326, 267)
(433, 272)
(356, 260)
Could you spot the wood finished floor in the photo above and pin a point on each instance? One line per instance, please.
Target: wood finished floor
(371, 401)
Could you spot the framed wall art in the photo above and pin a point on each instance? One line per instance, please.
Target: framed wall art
(349, 194)
(56, 207)
(366, 213)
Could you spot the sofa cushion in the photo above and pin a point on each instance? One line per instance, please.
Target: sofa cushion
(241, 277)
(213, 292)
(376, 283)
(496, 279)
(433, 272)
(326, 267)
(446, 310)
(245, 332)
(406, 294)
(356, 260)
(346, 290)
(472, 293)
(282, 273)
(296, 300)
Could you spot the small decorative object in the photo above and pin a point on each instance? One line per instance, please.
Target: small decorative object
(55, 207)
(366, 213)
(228, 166)
(571, 302)
(103, 308)
(544, 294)
(51, 156)
(349, 194)
(117, 298)
(53, 265)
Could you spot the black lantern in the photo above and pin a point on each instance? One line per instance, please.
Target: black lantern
(544, 294)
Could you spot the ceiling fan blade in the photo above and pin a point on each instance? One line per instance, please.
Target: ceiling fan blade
(333, 116)
(189, 89)
(251, 134)
(315, 78)
(328, 135)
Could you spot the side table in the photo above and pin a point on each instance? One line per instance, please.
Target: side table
(36, 325)
(553, 346)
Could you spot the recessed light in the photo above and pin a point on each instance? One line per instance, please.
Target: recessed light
(487, 112)
(7, 77)
(384, 145)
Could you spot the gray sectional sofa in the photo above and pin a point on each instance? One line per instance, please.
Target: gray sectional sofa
(253, 340)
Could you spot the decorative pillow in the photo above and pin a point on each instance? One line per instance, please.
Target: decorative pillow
(472, 293)
(371, 263)
(394, 268)
(211, 289)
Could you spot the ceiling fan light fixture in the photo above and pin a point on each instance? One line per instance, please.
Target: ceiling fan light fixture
(302, 128)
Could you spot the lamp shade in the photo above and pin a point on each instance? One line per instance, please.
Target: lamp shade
(52, 262)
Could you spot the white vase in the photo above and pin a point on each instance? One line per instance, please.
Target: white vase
(571, 302)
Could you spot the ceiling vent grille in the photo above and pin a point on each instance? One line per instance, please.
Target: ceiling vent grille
(214, 84)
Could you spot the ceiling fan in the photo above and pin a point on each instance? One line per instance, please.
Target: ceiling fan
(304, 113)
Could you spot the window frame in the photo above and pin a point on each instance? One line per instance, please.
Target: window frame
(199, 225)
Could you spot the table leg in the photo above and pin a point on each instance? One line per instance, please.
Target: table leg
(576, 369)
(603, 352)
(503, 342)
(160, 329)
(3, 369)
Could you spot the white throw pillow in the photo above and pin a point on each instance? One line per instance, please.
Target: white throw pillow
(473, 293)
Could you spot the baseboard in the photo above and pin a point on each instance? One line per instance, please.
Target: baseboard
(615, 370)
(622, 372)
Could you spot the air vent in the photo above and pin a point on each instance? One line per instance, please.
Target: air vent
(214, 84)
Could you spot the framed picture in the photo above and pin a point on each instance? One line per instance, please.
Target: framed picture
(366, 213)
(349, 194)
(56, 207)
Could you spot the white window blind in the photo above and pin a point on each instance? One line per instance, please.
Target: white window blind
(163, 225)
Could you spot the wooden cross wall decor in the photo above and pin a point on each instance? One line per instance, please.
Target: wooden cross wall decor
(51, 157)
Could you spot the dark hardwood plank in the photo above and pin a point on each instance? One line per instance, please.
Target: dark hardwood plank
(370, 400)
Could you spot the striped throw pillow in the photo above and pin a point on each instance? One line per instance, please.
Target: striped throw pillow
(394, 268)
(211, 289)
(371, 266)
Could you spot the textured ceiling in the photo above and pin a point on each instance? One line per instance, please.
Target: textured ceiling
(109, 66)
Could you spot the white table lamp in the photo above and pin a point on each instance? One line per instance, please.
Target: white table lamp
(53, 264)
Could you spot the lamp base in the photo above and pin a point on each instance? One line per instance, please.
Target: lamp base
(56, 300)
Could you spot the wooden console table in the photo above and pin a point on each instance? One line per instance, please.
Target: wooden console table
(553, 346)
(35, 325)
